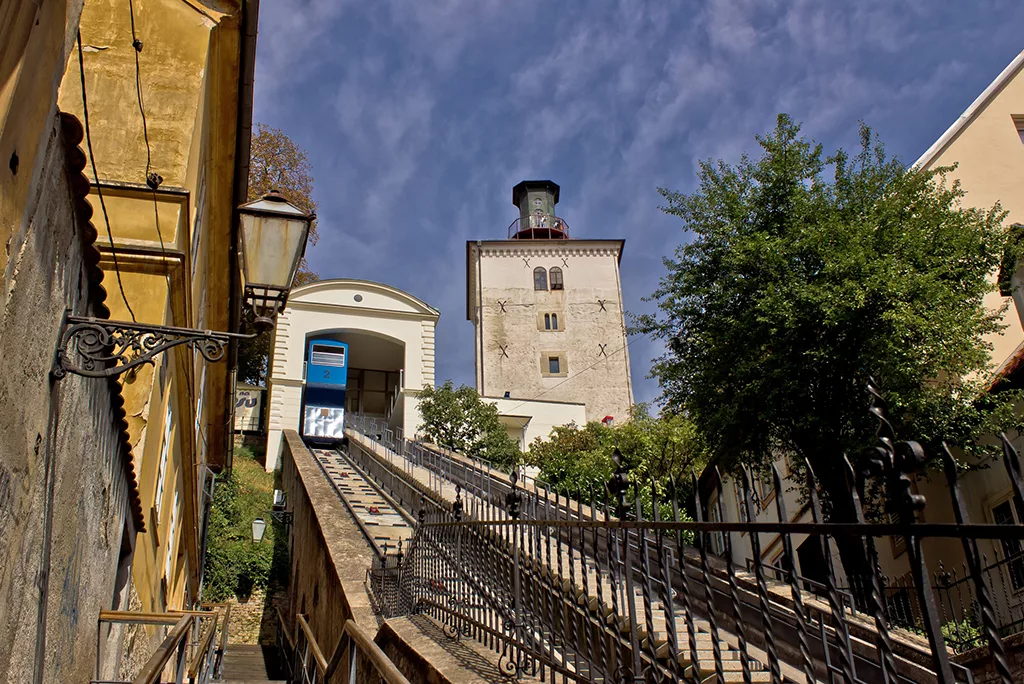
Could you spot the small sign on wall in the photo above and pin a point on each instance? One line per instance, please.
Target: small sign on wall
(248, 409)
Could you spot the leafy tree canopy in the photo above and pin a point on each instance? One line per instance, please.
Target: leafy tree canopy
(802, 276)
(577, 460)
(276, 163)
(459, 419)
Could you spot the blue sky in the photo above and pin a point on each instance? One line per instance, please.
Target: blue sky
(419, 116)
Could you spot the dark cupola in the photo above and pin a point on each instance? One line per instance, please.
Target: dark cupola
(536, 200)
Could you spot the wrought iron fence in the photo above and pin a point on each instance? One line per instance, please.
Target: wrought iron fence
(619, 591)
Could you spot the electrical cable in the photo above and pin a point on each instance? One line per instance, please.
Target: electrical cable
(96, 176)
(153, 180)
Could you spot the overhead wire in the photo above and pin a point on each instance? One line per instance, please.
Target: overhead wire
(153, 180)
(96, 177)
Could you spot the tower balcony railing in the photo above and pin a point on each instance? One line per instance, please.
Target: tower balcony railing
(538, 227)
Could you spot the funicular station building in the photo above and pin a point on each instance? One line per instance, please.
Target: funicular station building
(390, 338)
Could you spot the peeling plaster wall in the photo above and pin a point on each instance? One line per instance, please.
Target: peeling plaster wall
(81, 459)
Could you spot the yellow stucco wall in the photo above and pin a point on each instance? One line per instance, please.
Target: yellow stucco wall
(189, 79)
(990, 165)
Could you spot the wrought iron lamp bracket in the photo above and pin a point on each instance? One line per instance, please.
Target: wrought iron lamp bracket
(283, 517)
(99, 348)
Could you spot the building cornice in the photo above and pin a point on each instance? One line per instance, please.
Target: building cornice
(972, 112)
(360, 310)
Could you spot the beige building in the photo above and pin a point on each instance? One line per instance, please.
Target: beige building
(548, 318)
(170, 183)
(390, 334)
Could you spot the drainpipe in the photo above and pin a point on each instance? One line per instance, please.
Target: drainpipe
(480, 313)
(243, 141)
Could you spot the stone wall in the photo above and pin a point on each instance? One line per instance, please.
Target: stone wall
(69, 508)
(983, 666)
(329, 555)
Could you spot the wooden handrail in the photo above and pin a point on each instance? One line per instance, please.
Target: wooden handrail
(284, 628)
(132, 617)
(354, 640)
(150, 672)
(385, 668)
(321, 662)
(202, 647)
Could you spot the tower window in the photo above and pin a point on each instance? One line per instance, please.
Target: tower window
(548, 321)
(540, 279)
(556, 278)
(553, 364)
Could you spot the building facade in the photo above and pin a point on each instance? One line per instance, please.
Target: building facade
(547, 315)
(126, 214)
(390, 337)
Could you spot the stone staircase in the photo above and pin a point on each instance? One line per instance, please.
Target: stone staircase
(244, 664)
(591, 589)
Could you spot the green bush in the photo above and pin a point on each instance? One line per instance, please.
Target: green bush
(235, 566)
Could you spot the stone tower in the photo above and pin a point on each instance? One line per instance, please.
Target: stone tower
(547, 312)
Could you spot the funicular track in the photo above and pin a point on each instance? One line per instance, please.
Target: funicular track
(383, 521)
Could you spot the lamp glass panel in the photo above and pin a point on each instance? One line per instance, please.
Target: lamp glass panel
(272, 246)
(259, 526)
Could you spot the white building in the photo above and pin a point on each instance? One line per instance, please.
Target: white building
(390, 334)
(549, 325)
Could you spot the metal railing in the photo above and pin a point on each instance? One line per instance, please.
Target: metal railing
(603, 593)
(307, 664)
(190, 652)
(538, 226)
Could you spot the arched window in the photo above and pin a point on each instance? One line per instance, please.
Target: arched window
(554, 321)
(556, 278)
(540, 279)
(547, 321)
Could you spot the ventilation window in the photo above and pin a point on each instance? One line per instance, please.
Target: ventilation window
(540, 279)
(556, 278)
(1018, 122)
(553, 364)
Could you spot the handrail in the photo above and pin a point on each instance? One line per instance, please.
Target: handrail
(150, 672)
(385, 668)
(321, 662)
(222, 647)
(201, 648)
(284, 628)
(132, 617)
(353, 640)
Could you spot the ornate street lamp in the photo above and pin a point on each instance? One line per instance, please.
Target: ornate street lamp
(274, 233)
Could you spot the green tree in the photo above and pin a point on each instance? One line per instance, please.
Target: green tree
(803, 276)
(655, 450)
(276, 163)
(461, 420)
